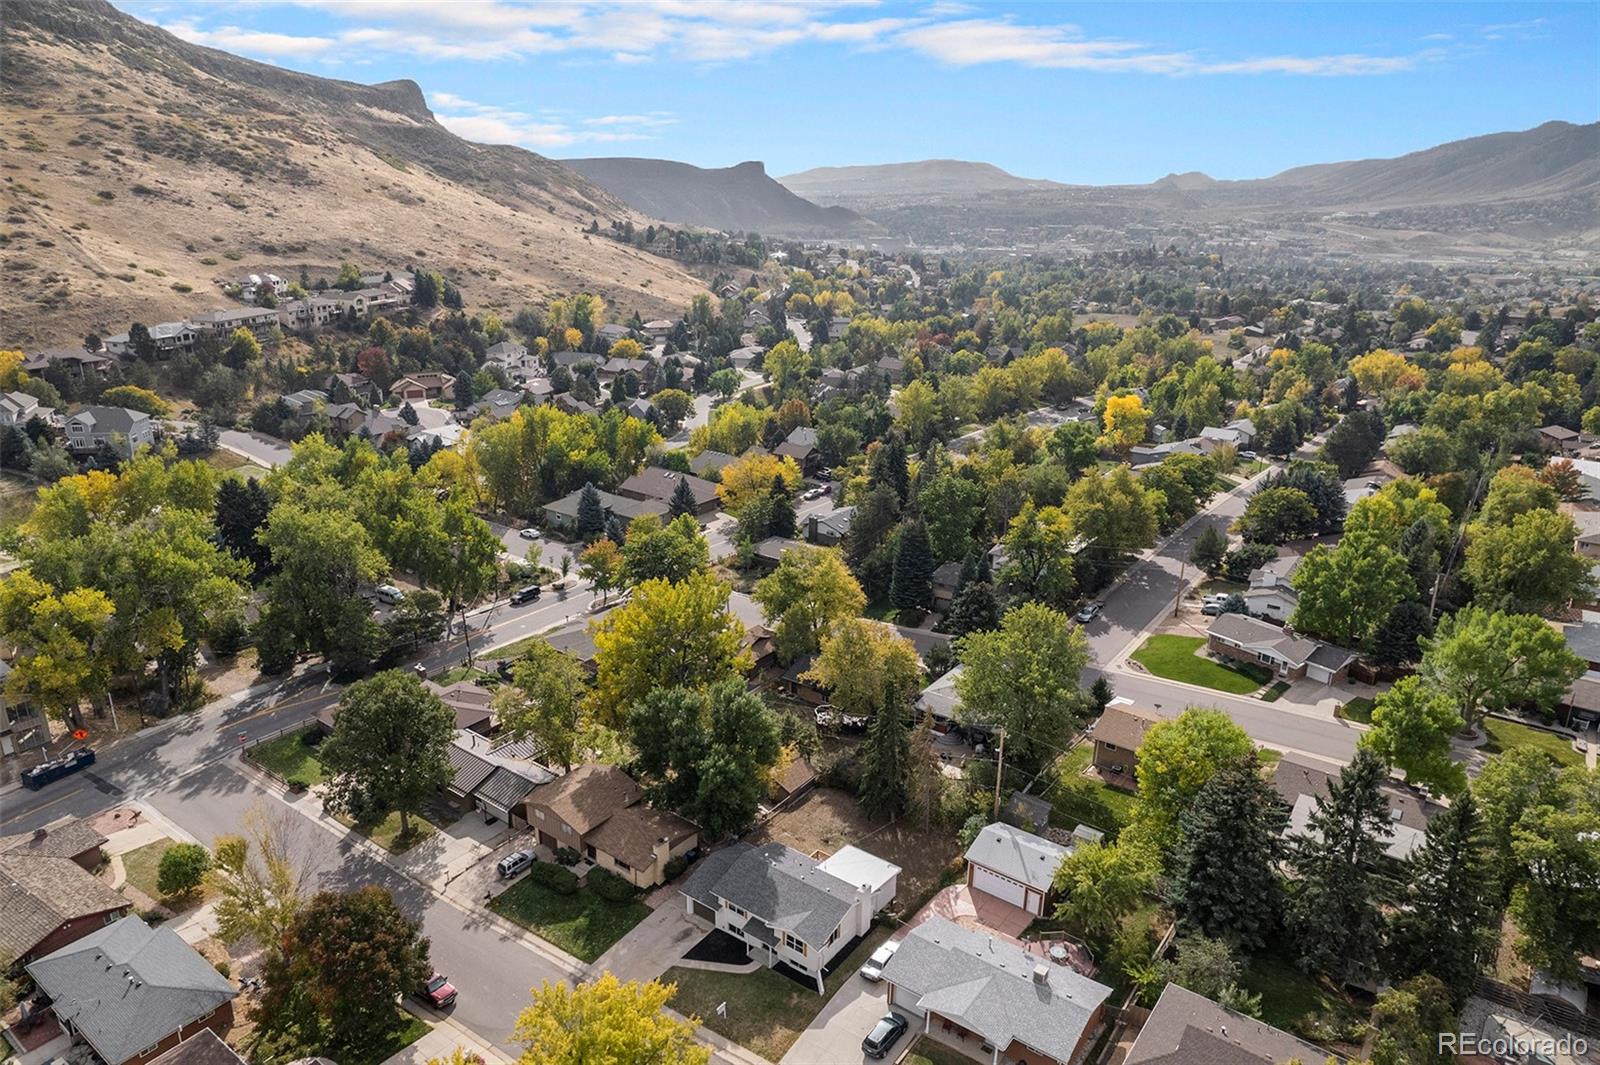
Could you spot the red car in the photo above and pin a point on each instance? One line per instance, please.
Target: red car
(439, 991)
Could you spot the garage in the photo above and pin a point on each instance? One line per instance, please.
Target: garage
(1001, 887)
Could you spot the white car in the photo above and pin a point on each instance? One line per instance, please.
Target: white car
(872, 968)
(529, 533)
(390, 594)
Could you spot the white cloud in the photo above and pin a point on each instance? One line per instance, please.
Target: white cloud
(234, 39)
(490, 124)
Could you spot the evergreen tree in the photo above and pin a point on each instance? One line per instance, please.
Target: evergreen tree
(1397, 640)
(1101, 693)
(408, 414)
(591, 514)
(889, 467)
(1210, 548)
(242, 508)
(1333, 913)
(911, 587)
(975, 609)
(886, 758)
(781, 519)
(616, 529)
(1444, 926)
(1225, 882)
(682, 501)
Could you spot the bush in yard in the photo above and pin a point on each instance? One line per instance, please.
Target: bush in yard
(568, 856)
(223, 968)
(229, 635)
(675, 866)
(554, 877)
(183, 867)
(610, 886)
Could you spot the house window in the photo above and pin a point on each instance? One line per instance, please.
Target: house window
(735, 909)
(794, 943)
(566, 830)
(620, 864)
(832, 938)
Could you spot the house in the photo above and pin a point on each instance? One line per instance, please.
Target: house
(831, 528)
(470, 703)
(1241, 434)
(1587, 542)
(22, 726)
(1563, 441)
(126, 431)
(304, 403)
(793, 780)
(1014, 866)
(18, 408)
(1270, 594)
(430, 384)
(709, 463)
(941, 700)
(252, 285)
(494, 778)
(745, 358)
(261, 321)
(1016, 1006)
(48, 892)
(1299, 783)
(1190, 1029)
(495, 404)
(205, 1047)
(656, 483)
(658, 328)
(75, 362)
(770, 552)
(1289, 657)
(946, 582)
(611, 333)
(801, 445)
(1588, 476)
(596, 811)
(1118, 735)
(562, 514)
(132, 992)
(168, 339)
(785, 907)
(356, 386)
(507, 353)
(1583, 698)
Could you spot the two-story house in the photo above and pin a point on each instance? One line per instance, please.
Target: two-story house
(787, 908)
(428, 384)
(1270, 594)
(126, 431)
(597, 811)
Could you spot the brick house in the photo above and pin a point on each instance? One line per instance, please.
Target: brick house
(48, 894)
(1289, 657)
(1118, 735)
(597, 811)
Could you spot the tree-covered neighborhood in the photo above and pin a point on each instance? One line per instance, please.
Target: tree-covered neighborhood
(1158, 650)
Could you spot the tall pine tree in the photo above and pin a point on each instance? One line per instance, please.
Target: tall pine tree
(1444, 925)
(242, 508)
(975, 609)
(911, 586)
(1225, 882)
(782, 520)
(591, 513)
(682, 501)
(886, 758)
(1333, 911)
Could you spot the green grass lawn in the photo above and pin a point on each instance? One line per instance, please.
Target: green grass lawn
(290, 758)
(1076, 799)
(1291, 999)
(882, 610)
(1357, 709)
(766, 1011)
(1174, 658)
(459, 673)
(409, 1028)
(142, 867)
(1268, 756)
(1274, 693)
(583, 924)
(1504, 735)
(386, 833)
(928, 1052)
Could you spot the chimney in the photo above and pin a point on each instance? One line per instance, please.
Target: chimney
(1224, 1031)
(40, 833)
(1041, 973)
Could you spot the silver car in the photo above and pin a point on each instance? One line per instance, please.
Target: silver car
(514, 863)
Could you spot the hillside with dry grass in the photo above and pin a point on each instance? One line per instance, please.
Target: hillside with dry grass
(139, 170)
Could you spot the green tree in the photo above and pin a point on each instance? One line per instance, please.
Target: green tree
(182, 869)
(1230, 839)
(1397, 642)
(1412, 725)
(1527, 566)
(1209, 550)
(860, 661)
(670, 552)
(389, 749)
(1444, 924)
(260, 878)
(1555, 897)
(60, 660)
(974, 609)
(682, 504)
(1099, 884)
(1346, 592)
(669, 634)
(953, 506)
(808, 592)
(601, 565)
(1023, 677)
(1407, 1021)
(1114, 512)
(1333, 912)
(1206, 966)
(1491, 662)
(323, 559)
(544, 702)
(1039, 556)
(1177, 758)
(591, 513)
(912, 585)
(1277, 515)
(606, 1021)
(886, 758)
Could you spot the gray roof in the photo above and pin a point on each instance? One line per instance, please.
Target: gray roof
(990, 987)
(803, 435)
(709, 461)
(653, 482)
(469, 770)
(205, 1047)
(111, 419)
(1189, 1029)
(940, 698)
(947, 575)
(1583, 640)
(621, 506)
(777, 884)
(127, 986)
(1020, 855)
(1297, 650)
(505, 787)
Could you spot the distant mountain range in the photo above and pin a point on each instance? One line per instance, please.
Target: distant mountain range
(931, 177)
(732, 198)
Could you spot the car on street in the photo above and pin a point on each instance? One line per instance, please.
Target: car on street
(884, 1035)
(390, 594)
(513, 863)
(526, 594)
(530, 533)
(872, 969)
(816, 493)
(439, 991)
(1089, 612)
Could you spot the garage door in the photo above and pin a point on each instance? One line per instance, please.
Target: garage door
(998, 886)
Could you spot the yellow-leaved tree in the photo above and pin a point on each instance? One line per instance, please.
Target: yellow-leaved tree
(606, 1021)
(751, 478)
(1125, 421)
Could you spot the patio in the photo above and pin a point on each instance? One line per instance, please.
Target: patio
(975, 910)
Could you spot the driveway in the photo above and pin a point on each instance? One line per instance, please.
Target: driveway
(652, 946)
(835, 1035)
(259, 448)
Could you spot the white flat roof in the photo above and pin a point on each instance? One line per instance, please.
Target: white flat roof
(856, 866)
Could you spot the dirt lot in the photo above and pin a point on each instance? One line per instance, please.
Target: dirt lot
(827, 819)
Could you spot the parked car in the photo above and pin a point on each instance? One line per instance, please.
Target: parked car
(514, 863)
(1210, 608)
(66, 765)
(390, 594)
(1248, 456)
(884, 1035)
(439, 991)
(873, 968)
(1089, 612)
(526, 594)
(530, 533)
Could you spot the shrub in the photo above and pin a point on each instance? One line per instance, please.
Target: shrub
(610, 886)
(229, 635)
(675, 866)
(223, 968)
(556, 878)
(568, 856)
(298, 783)
(183, 867)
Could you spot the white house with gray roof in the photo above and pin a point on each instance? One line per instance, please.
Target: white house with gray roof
(788, 909)
(968, 987)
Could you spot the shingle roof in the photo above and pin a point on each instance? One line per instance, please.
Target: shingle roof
(66, 837)
(1583, 640)
(205, 1047)
(40, 893)
(633, 832)
(1297, 650)
(586, 796)
(777, 884)
(1189, 1029)
(1124, 726)
(709, 462)
(1017, 854)
(111, 419)
(653, 482)
(127, 986)
(989, 986)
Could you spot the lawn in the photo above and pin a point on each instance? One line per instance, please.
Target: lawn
(290, 758)
(1504, 735)
(1174, 658)
(1293, 1000)
(766, 1011)
(1272, 694)
(460, 673)
(582, 924)
(143, 869)
(1357, 709)
(1080, 800)
(386, 833)
(928, 1052)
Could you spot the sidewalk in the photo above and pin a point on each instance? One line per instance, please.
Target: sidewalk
(442, 1039)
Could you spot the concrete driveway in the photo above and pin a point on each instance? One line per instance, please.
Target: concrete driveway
(834, 1037)
(652, 946)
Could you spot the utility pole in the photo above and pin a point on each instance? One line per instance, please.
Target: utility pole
(999, 771)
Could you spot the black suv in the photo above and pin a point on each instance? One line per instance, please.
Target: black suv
(525, 595)
(884, 1035)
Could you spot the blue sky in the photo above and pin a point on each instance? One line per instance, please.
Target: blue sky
(1094, 93)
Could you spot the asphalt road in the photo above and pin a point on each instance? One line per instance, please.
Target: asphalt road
(259, 448)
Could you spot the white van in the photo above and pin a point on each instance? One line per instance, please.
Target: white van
(390, 594)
